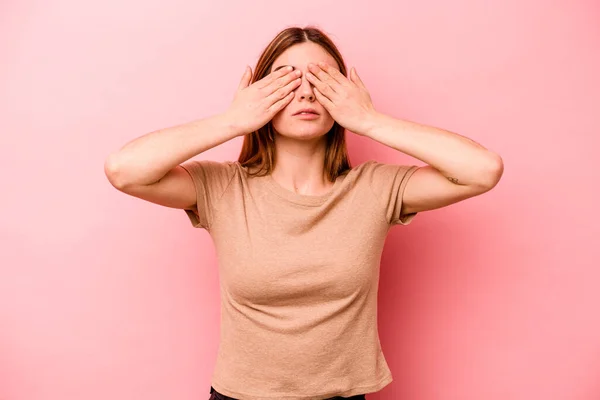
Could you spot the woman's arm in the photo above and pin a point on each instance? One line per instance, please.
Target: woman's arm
(458, 167)
(148, 167)
(148, 158)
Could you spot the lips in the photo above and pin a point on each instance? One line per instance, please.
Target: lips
(307, 110)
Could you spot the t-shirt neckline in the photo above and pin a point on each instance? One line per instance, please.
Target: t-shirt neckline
(298, 198)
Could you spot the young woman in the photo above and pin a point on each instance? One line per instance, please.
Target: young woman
(298, 231)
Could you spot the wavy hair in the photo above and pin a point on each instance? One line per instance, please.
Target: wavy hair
(258, 149)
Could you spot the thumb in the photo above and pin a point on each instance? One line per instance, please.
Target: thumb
(246, 78)
(355, 78)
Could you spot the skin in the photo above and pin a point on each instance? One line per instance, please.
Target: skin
(300, 144)
(457, 167)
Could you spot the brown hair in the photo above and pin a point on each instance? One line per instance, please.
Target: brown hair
(258, 149)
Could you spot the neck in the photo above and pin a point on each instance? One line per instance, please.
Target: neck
(299, 165)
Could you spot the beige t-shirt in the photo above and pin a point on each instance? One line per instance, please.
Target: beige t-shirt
(299, 276)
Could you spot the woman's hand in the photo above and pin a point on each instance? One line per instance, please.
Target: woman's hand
(255, 105)
(347, 100)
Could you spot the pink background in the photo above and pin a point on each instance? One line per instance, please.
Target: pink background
(105, 296)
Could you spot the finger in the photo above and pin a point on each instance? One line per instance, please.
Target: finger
(246, 78)
(323, 87)
(281, 82)
(328, 104)
(356, 78)
(323, 76)
(334, 73)
(279, 105)
(273, 76)
(283, 91)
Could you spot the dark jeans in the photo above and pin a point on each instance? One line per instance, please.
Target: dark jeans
(214, 395)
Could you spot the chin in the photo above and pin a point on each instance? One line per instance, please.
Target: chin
(304, 135)
(303, 130)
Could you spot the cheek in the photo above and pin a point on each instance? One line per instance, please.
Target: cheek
(278, 121)
(279, 116)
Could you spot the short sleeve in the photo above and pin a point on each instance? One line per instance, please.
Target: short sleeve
(211, 179)
(388, 182)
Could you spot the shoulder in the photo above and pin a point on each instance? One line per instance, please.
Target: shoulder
(380, 173)
(226, 168)
(213, 174)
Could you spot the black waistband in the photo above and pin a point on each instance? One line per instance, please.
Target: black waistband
(220, 396)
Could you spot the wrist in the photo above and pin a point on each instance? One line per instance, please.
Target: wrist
(372, 123)
(229, 125)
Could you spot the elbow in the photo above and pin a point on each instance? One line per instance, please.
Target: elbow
(113, 172)
(491, 173)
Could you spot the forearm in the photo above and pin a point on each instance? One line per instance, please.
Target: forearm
(460, 159)
(148, 158)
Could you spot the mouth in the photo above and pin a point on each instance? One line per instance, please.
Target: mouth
(307, 116)
(306, 112)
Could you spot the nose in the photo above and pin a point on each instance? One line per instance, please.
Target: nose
(305, 90)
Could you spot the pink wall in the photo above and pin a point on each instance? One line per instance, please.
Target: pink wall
(104, 296)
